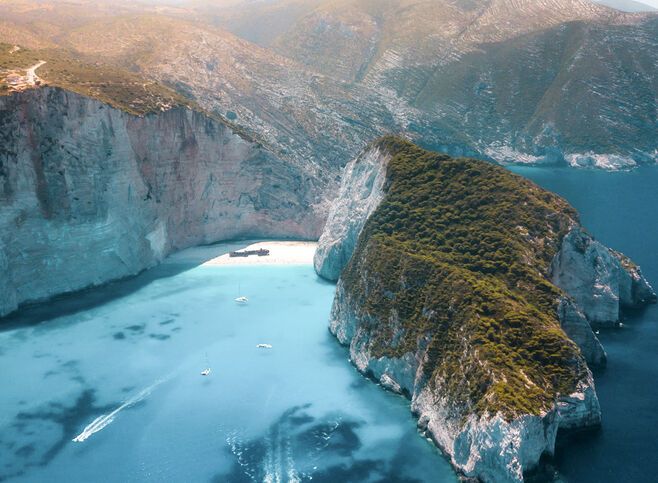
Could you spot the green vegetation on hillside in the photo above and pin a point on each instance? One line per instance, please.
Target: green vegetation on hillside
(459, 251)
(109, 84)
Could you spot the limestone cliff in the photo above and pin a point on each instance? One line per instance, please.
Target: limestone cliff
(361, 191)
(90, 193)
(447, 299)
(600, 280)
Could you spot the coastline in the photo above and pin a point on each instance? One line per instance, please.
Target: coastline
(282, 252)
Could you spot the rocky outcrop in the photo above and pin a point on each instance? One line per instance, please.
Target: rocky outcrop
(601, 281)
(89, 193)
(374, 301)
(361, 191)
(577, 327)
(486, 447)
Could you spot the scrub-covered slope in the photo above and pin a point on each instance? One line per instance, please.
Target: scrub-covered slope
(447, 298)
(564, 81)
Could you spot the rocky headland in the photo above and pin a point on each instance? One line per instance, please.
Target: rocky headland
(473, 292)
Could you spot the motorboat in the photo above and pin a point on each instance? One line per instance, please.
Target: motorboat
(264, 346)
(206, 372)
(242, 300)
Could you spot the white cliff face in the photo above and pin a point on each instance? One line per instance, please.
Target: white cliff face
(577, 327)
(600, 280)
(89, 193)
(361, 192)
(487, 448)
(580, 409)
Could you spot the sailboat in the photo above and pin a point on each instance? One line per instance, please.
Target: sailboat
(206, 371)
(241, 300)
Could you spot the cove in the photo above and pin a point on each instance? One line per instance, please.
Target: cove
(118, 369)
(618, 208)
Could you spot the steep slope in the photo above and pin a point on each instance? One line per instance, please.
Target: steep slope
(447, 298)
(91, 193)
(564, 81)
(581, 88)
(304, 115)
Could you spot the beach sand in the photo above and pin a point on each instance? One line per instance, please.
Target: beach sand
(281, 253)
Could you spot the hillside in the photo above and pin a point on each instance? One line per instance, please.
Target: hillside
(307, 117)
(474, 243)
(557, 81)
(107, 83)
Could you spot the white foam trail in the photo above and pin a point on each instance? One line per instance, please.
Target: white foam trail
(102, 421)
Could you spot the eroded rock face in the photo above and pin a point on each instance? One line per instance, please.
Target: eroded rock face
(577, 327)
(361, 191)
(600, 280)
(89, 193)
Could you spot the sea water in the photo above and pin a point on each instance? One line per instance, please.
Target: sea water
(621, 210)
(106, 386)
(119, 369)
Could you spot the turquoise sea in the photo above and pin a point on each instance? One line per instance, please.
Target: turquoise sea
(118, 369)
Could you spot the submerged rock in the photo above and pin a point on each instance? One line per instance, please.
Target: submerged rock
(447, 298)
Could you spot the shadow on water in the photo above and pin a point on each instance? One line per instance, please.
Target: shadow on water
(33, 313)
(301, 447)
(66, 419)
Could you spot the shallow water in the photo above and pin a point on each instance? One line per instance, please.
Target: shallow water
(118, 369)
(621, 210)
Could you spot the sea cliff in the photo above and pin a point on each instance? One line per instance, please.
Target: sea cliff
(456, 295)
(91, 193)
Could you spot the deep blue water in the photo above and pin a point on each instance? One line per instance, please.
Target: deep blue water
(621, 210)
(119, 368)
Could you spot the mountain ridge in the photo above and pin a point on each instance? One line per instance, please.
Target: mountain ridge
(437, 71)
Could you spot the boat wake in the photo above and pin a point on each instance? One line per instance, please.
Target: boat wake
(104, 420)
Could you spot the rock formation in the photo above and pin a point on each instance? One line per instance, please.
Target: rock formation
(90, 193)
(600, 280)
(429, 310)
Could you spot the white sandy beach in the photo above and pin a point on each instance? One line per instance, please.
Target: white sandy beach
(281, 253)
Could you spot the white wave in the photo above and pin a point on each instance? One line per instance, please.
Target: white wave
(104, 420)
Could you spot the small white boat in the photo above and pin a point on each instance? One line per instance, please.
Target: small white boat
(205, 372)
(264, 346)
(242, 300)
(597, 332)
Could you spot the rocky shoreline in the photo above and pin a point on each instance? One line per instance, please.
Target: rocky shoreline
(597, 283)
